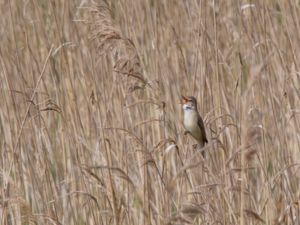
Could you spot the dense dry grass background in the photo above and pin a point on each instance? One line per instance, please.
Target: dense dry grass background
(90, 125)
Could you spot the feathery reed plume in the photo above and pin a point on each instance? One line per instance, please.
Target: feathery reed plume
(110, 40)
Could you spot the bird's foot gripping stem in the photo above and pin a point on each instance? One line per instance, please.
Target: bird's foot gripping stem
(199, 148)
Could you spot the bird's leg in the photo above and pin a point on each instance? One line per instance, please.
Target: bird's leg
(197, 146)
(186, 132)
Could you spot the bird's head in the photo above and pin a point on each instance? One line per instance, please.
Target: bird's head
(188, 103)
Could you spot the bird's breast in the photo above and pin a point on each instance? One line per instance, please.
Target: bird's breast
(190, 120)
(190, 123)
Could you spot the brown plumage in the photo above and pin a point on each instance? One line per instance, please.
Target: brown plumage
(192, 121)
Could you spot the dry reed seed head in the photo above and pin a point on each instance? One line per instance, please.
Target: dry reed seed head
(191, 210)
(123, 51)
(250, 154)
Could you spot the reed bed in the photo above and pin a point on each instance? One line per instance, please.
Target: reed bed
(90, 125)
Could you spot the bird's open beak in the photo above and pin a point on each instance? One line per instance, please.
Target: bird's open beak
(184, 99)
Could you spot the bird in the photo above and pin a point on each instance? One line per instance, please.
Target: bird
(192, 121)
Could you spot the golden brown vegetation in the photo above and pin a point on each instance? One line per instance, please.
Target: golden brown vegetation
(90, 124)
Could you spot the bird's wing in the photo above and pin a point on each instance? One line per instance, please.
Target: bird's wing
(202, 128)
